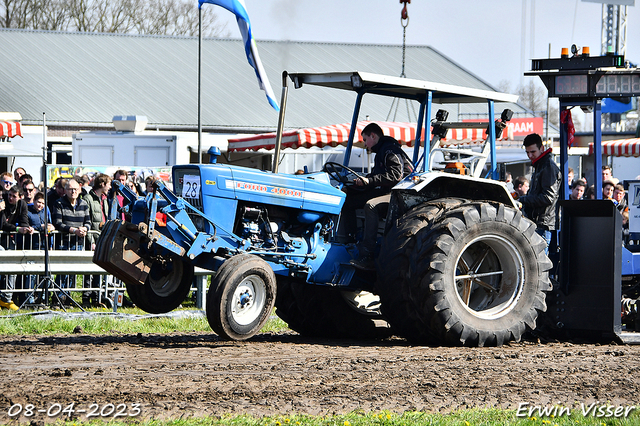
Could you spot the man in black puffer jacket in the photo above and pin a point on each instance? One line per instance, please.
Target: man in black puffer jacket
(13, 218)
(391, 165)
(540, 203)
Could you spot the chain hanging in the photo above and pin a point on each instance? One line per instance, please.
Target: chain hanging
(395, 104)
(404, 21)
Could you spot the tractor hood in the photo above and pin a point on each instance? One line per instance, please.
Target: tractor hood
(311, 192)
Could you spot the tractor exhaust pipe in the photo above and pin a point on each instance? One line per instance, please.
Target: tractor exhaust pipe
(283, 108)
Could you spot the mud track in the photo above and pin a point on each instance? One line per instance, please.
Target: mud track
(183, 375)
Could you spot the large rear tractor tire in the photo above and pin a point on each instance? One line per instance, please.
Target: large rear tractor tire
(455, 273)
(166, 286)
(241, 297)
(319, 311)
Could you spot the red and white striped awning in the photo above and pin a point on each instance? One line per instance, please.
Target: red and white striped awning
(620, 148)
(471, 137)
(338, 134)
(334, 135)
(9, 129)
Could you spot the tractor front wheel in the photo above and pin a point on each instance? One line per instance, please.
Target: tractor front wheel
(241, 297)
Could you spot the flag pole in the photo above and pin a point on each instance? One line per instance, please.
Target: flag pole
(199, 82)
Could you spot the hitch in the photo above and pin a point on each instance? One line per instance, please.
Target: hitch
(117, 252)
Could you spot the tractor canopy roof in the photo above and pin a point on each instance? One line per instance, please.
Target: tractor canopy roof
(399, 87)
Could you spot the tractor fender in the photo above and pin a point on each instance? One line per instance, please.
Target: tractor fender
(421, 188)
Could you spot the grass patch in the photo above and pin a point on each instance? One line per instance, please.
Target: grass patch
(17, 324)
(472, 417)
(20, 324)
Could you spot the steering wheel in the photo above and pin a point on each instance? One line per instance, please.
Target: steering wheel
(337, 172)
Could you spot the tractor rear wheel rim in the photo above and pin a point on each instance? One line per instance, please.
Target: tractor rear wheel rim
(489, 276)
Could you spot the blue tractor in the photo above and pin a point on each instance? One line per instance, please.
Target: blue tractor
(457, 261)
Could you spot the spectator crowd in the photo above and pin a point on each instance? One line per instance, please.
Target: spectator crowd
(538, 196)
(76, 210)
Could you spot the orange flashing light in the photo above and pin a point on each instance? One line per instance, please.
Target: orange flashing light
(161, 219)
(458, 166)
(565, 52)
(585, 51)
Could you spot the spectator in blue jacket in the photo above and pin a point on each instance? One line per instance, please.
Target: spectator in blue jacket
(37, 219)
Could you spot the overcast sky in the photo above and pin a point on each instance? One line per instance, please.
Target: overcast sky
(484, 36)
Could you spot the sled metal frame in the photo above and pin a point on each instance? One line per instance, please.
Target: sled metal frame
(588, 303)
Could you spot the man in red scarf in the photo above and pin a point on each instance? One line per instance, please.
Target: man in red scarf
(540, 203)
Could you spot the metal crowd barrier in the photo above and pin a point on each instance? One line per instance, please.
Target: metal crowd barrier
(18, 257)
(24, 254)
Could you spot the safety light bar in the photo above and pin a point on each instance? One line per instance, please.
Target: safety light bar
(586, 77)
(578, 61)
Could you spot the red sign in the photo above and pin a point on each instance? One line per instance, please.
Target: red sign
(526, 125)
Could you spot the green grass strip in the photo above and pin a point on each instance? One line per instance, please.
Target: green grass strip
(20, 324)
(471, 417)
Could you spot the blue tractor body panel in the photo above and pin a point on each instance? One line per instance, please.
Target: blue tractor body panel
(222, 207)
(305, 192)
(223, 185)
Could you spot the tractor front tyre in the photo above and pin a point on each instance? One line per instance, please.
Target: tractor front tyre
(166, 286)
(474, 274)
(241, 297)
(320, 311)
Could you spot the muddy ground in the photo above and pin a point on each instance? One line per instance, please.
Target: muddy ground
(169, 376)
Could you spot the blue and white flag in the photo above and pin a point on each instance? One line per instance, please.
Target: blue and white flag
(239, 9)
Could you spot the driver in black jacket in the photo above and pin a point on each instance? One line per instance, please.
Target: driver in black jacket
(390, 166)
(540, 203)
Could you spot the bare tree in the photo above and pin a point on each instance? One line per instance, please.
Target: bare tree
(171, 17)
(554, 117)
(504, 86)
(533, 97)
(34, 14)
(51, 17)
(166, 17)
